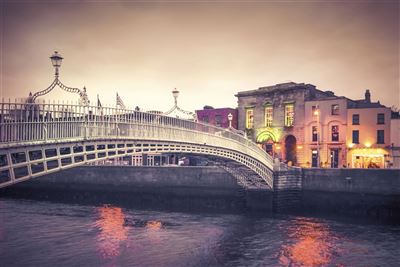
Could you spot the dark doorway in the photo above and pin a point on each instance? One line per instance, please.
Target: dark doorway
(269, 148)
(314, 158)
(334, 157)
(290, 149)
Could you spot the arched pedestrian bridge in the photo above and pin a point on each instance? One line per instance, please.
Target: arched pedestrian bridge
(37, 139)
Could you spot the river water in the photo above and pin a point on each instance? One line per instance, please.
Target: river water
(43, 233)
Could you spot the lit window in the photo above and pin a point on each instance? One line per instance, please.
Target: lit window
(335, 109)
(268, 116)
(380, 137)
(381, 118)
(335, 133)
(314, 110)
(249, 118)
(289, 115)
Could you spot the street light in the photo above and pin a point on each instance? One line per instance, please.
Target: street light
(317, 113)
(230, 117)
(175, 94)
(56, 61)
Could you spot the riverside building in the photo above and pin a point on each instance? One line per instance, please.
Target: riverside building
(304, 126)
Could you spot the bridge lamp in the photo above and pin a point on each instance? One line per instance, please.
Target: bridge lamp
(230, 117)
(56, 61)
(175, 94)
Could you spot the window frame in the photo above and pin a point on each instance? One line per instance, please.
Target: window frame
(332, 133)
(249, 123)
(380, 120)
(358, 136)
(314, 134)
(378, 136)
(268, 116)
(335, 112)
(289, 115)
(358, 119)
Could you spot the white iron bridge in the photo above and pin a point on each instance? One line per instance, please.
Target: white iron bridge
(38, 139)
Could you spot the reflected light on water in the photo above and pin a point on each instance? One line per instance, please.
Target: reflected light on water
(112, 231)
(153, 225)
(312, 244)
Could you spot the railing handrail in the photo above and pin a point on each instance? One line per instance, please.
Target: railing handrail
(54, 113)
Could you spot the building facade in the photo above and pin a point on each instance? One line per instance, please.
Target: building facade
(368, 134)
(218, 116)
(325, 132)
(274, 117)
(307, 127)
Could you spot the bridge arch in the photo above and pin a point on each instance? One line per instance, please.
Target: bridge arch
(63, 136)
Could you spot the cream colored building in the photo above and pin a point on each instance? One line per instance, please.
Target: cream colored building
(368, 134)
(325, 132)
(273, 117)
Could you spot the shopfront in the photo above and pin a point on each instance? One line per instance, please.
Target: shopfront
(368, 157)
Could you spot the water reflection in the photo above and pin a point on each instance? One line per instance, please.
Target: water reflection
(112, 231)
(312, 244)
(153, 225)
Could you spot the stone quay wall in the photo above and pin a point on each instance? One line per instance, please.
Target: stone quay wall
(182, 188)
(372, 192)
(364, 192)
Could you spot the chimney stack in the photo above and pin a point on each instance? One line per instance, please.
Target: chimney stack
(367, 96)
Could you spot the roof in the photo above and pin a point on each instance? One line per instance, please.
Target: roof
(362, 103)
(276, 87)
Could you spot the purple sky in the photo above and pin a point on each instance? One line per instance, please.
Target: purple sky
(209, 51)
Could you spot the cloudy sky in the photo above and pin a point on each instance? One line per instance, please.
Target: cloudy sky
(208, 50)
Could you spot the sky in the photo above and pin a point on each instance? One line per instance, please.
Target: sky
(208, 50)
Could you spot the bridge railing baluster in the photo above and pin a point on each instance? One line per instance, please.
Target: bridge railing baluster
(25, 122)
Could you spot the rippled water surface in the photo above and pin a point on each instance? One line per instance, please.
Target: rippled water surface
(35, 233)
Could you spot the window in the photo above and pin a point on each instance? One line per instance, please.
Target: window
(289, 115)
(381, 118)
(356, 119)
(218, 120)
(313, 110)
(314, 134)
(335, 109)
(205, 119)
(249, 118)
(268, 116)
(335, 133)
(380, 137)
(356, 135)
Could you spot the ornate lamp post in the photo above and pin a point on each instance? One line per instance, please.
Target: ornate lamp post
(56, 60)
(230, 117)
(317, 113)
(176, 108)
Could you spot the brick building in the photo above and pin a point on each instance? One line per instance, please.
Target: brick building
(217, 116)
